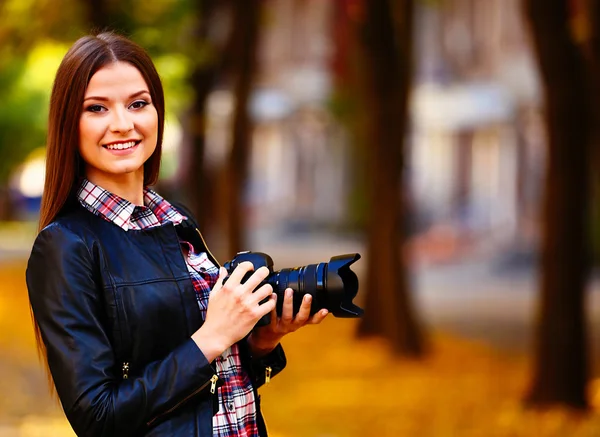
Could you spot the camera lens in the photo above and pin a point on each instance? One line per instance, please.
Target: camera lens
(332, 286)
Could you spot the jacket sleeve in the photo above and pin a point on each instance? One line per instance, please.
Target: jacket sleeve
(262, 369)
(268, 366)
(68, 309)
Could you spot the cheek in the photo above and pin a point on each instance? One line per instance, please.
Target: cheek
(151, 127)
(154, 122)
(89, 132)
(83, 138)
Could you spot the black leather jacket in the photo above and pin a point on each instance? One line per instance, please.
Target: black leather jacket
(116, 311)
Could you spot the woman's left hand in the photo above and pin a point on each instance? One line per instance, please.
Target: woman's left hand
(264, 339)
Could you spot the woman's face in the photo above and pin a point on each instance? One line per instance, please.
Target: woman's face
(118, 126)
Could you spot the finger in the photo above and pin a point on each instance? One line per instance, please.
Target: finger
(268, 307)
(239, 272)
(304, 311)
(318, 317)
(287, 314)
(274, 317)
(257, 277)
(219, 284)
(263, 292)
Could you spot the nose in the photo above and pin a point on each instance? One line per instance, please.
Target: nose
(121, 122)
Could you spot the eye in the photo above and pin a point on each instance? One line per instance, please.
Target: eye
(139, 104)
(95, 108)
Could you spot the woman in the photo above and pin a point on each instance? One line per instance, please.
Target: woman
(140, 334)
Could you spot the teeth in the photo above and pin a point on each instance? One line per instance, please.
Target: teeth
(120, 146)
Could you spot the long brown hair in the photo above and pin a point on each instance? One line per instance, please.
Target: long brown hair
(64, 165)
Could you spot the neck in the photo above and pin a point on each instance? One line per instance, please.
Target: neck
(129, 186)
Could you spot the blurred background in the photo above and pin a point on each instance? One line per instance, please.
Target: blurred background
(452, 143)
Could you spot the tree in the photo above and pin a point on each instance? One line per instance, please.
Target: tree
(245, 38)
(205, 72)
(98, 14)
(592, 46)
(387, 52)
(560, 369)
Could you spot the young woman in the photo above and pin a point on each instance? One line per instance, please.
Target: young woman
(140, 335)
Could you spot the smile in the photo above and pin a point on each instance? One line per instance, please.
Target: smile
(121, 146)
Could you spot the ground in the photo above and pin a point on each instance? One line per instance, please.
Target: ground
(470, 384)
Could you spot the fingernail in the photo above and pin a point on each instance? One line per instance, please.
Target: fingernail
(288, 293)
(307, 298)
(324, 312)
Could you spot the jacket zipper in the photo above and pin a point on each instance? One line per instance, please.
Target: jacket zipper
(213, 388)
(212, 381)
(268, 371)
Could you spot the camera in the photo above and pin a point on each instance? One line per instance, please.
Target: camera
(332, 284)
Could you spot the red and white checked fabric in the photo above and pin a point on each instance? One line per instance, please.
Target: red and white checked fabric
(237, 407)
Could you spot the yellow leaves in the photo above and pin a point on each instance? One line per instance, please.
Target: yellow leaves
(17, 8)
(594, 394)
(16, 329)
(40, 426)
(42, 62)
(336, 385)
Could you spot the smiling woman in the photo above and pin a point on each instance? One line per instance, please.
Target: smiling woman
(139, 333)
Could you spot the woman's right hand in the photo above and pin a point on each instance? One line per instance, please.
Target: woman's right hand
(233, 309)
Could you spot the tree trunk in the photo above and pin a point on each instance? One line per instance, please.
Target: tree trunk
(200, 180)
(388, 307)
(561, 368)
(103, 15)
(347, 80)
(594, 72)
(98, 14)
(246, 15)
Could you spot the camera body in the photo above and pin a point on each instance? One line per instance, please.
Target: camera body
(332, 285)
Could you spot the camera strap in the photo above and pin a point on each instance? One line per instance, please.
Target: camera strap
(188, 230)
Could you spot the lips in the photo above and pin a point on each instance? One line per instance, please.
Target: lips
(122, 145)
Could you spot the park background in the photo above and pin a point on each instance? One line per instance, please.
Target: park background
(452, 143)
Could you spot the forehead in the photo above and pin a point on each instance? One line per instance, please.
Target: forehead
(115, 79)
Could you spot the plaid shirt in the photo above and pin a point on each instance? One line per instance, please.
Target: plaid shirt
(237, 408)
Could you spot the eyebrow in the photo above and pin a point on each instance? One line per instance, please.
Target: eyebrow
(104, 99)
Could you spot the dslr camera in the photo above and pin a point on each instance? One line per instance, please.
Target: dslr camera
(332, 284)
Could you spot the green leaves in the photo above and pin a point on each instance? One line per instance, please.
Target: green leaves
(25, 85)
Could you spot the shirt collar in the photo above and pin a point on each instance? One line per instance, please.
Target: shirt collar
(156, 211)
